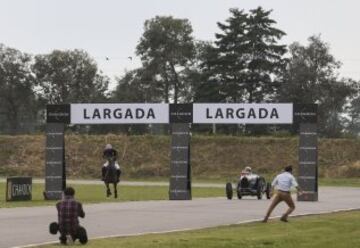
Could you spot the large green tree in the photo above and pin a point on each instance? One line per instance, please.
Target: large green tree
(137, 86)
(166, 49)
(18, 102)
(312, 77)
(353, 111)
(69, 76)
(250, 60)
(206, 77)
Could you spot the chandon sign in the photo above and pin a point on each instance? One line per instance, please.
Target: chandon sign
(119, 113)
(227, 113)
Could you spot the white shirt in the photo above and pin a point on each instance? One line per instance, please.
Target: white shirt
(284, 181)
(117, 166)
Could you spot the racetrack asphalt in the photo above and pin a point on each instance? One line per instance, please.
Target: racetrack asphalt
(29, 225)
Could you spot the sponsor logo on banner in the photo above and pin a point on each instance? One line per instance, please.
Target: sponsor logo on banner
(243, 113)
(305, 113)
(181, 113)
(58, 113)
(122, 113)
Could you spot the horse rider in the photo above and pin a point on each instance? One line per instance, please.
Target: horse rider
(111, 169)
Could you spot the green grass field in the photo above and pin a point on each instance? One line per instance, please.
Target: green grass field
(96, 194)
(341, 230)
(339, 182)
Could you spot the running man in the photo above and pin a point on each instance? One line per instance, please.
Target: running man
(283, 184)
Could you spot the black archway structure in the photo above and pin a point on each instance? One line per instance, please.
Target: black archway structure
(180, 117)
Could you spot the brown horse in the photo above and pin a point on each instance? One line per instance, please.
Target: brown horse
(111, 175)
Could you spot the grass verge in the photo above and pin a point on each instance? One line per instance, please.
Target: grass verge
(340, 182)
(340, 230)
(336, 182)
(96, 194)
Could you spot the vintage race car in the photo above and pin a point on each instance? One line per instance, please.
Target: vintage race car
(249, 185)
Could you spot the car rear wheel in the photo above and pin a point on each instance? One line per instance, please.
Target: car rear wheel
(229, 191)
(260, 187)
(259, 192)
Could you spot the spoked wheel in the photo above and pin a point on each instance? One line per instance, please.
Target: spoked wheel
(229, 191)
(260, 188)
(259, 193)
(238, 191)
(268, 191)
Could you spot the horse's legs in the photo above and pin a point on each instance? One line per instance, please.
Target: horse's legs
(108, 191)
(115, 190)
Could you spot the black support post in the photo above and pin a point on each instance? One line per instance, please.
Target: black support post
(55, 176)
(180, 169)
(308, 162)
(305, 119)
(180, 117)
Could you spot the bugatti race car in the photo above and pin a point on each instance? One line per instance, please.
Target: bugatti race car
(249, 185)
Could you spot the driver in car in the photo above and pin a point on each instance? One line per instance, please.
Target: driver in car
(246, 171)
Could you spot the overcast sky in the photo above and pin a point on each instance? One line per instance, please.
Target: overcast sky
(112, 28)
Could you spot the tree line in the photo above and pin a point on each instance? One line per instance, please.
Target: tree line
(246, 62)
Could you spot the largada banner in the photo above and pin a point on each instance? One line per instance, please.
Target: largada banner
(117, 113)
(243, 113)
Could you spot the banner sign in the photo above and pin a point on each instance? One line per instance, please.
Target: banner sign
(119, 113)
(243, 113)
(198, 113)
